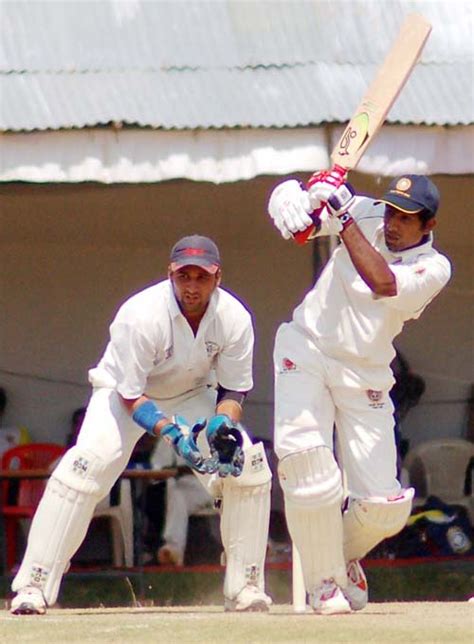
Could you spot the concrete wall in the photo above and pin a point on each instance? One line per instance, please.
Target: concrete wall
(72, 253)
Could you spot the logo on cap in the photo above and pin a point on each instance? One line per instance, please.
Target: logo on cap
(195, 250)
(403, 184)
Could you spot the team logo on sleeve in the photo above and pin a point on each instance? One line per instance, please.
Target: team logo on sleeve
(375, 398)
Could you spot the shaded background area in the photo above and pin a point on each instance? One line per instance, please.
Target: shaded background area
(71, 254)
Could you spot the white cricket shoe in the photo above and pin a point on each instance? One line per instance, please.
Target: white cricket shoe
(250, 599)
(357, 590)
(28, 601)
(329, 599)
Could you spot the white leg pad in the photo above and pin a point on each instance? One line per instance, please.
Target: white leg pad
(368, 521)
(61, 522)
(245, 522)
(312, 487)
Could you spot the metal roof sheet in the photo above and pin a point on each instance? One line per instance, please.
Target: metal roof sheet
(222, 64)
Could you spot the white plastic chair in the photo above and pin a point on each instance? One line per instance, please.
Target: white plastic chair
(439, 468)
(121, 523)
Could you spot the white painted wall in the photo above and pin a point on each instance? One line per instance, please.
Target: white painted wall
(72, 253)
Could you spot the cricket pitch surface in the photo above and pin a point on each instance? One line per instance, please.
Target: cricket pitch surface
(403, 622)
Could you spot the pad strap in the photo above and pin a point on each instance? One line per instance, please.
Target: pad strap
(147, 415)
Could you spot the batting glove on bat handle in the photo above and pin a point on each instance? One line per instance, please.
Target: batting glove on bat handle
(334, 177)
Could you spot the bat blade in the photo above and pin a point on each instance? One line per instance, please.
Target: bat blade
(379, 98)
(382, 92)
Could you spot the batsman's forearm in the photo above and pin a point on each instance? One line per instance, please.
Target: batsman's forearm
(368, 262)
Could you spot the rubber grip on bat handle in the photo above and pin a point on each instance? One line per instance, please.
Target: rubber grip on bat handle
(303, 236)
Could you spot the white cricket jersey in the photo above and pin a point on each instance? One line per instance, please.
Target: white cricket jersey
(153, 351)
(351, 324)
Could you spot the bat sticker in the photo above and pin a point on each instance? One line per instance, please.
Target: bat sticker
(355, 135)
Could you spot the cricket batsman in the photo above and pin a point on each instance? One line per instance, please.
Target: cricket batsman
(178, 365)
(334, 425)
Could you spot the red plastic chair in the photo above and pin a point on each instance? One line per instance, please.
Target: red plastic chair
(20, 497)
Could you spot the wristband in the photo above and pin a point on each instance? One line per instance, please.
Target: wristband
(346, 220)
(147, 415)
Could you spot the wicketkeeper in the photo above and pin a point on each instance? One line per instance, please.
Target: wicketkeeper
(332, 369)
(178, 365)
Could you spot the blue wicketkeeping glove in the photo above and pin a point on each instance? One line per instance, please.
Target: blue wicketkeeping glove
(185, 444)
(225, 442)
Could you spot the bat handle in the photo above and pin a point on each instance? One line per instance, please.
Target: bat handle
(304, 236)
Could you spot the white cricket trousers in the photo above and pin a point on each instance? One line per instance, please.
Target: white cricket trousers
(312, 394)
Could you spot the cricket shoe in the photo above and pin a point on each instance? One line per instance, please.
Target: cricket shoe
(250, 599)
(328, 599)
(28, 601)
(170, 556)
(357, 589)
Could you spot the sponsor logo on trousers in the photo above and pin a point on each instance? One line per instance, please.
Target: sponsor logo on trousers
(375, 398)
(287, 365)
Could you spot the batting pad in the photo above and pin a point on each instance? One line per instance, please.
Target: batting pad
(245, 522)
(368, 521)
(61, 522)
(312, 487)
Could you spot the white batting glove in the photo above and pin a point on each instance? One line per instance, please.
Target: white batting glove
(289, 207)
(321, 185)
(319, 194)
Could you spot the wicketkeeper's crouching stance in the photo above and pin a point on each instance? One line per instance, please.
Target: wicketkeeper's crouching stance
(332, 369)
(181, 349)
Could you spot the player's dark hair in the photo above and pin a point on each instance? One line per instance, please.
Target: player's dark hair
(425, 215)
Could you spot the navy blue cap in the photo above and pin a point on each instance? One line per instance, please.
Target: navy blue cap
(195, 250)
(412, 193)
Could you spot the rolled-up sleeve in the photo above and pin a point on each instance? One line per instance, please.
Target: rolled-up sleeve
(418, 283)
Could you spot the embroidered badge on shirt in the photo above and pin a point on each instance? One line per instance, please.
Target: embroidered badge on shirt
(212, 348)
(168, 353)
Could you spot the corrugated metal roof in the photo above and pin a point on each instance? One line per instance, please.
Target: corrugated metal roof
(222, 64)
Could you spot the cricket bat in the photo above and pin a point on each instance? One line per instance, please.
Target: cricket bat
(379, 98)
